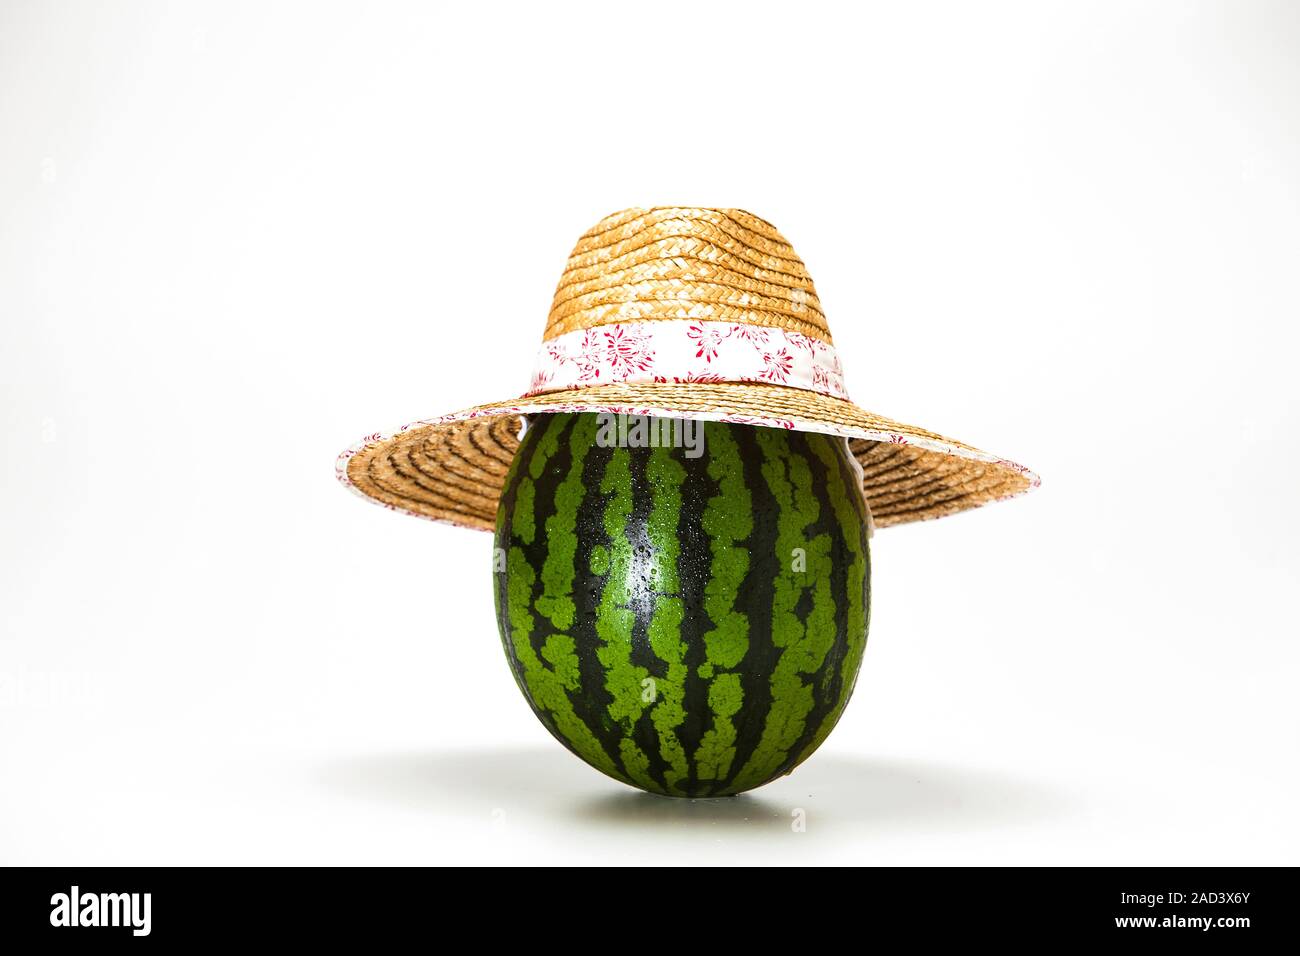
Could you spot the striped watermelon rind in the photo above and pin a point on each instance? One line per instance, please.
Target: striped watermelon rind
(654, 610)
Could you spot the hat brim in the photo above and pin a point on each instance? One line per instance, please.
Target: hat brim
(452, 468)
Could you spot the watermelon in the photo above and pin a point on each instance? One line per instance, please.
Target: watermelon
(687, 620)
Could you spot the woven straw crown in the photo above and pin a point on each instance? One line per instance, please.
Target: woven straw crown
(716, 264)
(646, 269)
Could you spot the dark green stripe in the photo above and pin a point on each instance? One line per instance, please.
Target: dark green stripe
(803, 645)
(755, 599)
(693, 569)
(823, 457)
(592, 703)
(548, 675)
(851, 515)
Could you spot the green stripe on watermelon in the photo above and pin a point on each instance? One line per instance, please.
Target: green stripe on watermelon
(664, 632)
(727, 523)
(549, 677)
(614, 622)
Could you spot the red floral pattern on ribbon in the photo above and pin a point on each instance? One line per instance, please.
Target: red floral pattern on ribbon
(777, 366)
(684, 351)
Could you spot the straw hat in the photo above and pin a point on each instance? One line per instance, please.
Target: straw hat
(686, 313)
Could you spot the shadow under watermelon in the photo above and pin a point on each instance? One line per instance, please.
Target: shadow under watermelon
(832, 794)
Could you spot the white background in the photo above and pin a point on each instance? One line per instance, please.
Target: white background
(236, 237)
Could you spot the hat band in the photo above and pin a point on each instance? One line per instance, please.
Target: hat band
(684, 351)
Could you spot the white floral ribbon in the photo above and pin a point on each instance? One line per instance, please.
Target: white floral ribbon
(687, 350)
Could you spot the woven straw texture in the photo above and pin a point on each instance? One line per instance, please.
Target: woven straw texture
(724, 265)
(673, 263)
